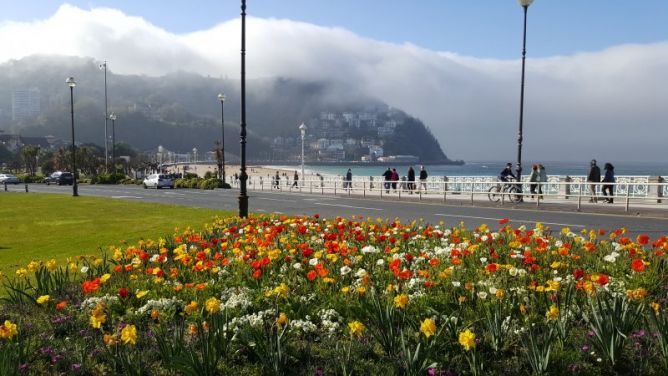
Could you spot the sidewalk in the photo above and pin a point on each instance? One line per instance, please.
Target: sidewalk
(646, 207)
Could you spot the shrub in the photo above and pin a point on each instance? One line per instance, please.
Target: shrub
(25, 178)
(108, 178)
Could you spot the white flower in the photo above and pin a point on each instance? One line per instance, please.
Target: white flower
(345, 269)
(313, 261)
(380, 262)
(297, 265)
(482, 295)
(456, 283)
(370, 249)
(483, 259)
(84, 269)
(512, 271)
(361, 273)
(492, 290)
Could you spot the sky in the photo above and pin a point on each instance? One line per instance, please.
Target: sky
(596, 75)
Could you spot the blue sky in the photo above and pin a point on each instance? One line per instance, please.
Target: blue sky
(480, 28)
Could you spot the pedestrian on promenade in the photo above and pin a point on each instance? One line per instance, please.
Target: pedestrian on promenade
(594, 176)
(349, 180)
(542, 179)
(608, 189)
(534, 179)
(277, 181)
(395, 179)
(387, 175)
(295, 179)
(411, 179)
(423, 179)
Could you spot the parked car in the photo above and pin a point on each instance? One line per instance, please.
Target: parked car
(158, 181)
(60, 178)
(9, 179)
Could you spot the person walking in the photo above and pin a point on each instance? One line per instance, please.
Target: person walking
(423, 179)
(395, 179)
(534, 180)
(277, 180)
(387, 175)
(609, 178)
(295, 179)
(411, 179)
(349, 180)
(542, 179)
(594, 176)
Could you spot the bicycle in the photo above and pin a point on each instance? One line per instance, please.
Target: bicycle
(505, 188)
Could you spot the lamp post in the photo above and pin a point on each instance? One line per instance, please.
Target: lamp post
(113, 139)
(221, 98)
(103, 66)
(525, 5)
(243, 197)
(195, 159)
(75, 190)
(302, 130)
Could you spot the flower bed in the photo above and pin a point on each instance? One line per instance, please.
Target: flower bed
(304, 295)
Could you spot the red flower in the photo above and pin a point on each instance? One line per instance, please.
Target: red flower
(311, 275)
(123, 292)
(491, 268)
(638, 265)
(642, 239)
(62, 305)
(603, 280)
(578, 273)
(504, 221)
(257, 274)
(91, 286)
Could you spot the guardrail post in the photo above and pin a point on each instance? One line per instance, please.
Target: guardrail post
(472, 193)
(334, 188)
(364, 189)
(445, 188)
(566, 187)
(579, 194)
(655, 188)
(310, 186)
(659, 189)
(5, 186)
(628, 194)
(26, 187)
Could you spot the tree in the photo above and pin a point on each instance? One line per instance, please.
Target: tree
(220, 157)
(29, 153)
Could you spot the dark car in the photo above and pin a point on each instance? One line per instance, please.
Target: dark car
(60, 178)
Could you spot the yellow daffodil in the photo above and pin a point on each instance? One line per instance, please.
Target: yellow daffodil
(428, 327)
(552, 313)
(129, 335)
(401, 301)
(356, 328)
(212, 305)
(97, 316)
(105, 277)
(8, 330)
(141, 294)
(282, 319)
(51, 265)
(43, 299)
(467, 339)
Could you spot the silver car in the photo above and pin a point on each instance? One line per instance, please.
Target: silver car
(9, 179)
(159, 181)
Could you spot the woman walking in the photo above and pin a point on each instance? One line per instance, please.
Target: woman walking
(542, 179)
(534, 179)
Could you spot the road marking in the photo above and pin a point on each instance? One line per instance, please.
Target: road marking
(347, 206)
(125, 197)
(273, 199)
(511, 220)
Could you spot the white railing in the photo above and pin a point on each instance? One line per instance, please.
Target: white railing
(641, 189)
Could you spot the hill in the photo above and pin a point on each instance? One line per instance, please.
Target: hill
(180, 111)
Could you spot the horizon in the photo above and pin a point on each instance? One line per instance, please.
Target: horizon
(596, 86)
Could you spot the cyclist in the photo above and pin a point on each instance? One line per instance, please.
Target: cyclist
(507, 173)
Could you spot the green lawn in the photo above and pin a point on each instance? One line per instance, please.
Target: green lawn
(44, 226)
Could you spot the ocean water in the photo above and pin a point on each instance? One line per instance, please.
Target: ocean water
(492, 168)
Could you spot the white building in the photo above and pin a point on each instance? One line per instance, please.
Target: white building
(26, 103)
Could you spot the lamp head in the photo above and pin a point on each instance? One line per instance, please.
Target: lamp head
(221, 97)
(112, 116)
(525, 3)
(70, 82)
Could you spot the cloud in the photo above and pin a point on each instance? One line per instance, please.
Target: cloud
(606, 104)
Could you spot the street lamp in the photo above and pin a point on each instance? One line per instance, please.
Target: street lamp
(302, 129)
(221, 98)
(243, 197)
(113, 139)
(525, 5)
(195, 159)
(103, 66)
(75, 190)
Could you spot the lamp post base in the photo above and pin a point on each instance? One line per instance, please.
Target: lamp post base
(75, 190)
(243, 206)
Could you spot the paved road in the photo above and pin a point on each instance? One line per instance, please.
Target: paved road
(329, 205)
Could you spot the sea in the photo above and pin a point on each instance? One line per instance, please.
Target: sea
(489, 168)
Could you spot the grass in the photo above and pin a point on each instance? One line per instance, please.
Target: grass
(44, 226)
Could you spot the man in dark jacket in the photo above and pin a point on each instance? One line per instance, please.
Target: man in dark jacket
(423, 179)
(594, 176)
(388, 176)
(411, 179)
